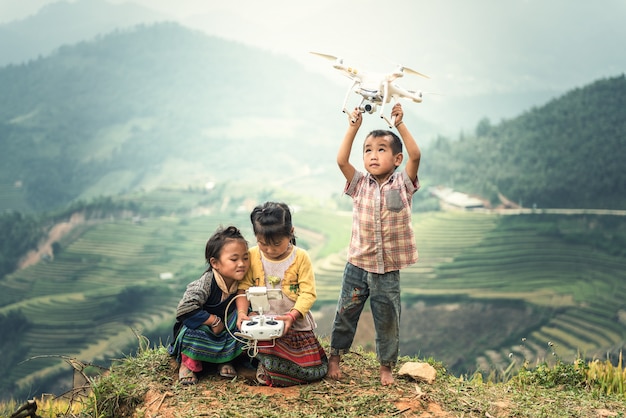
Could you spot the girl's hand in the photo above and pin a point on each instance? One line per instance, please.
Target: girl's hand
(242, 316)
(289, 319)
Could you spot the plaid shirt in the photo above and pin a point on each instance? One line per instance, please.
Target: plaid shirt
(382, 234)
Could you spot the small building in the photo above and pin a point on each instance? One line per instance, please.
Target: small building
(450, 199)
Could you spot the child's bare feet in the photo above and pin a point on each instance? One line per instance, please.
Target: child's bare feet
(386, 377)
(334, 372)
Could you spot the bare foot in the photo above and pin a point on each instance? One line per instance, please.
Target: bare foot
(334, 372)
(386, 377)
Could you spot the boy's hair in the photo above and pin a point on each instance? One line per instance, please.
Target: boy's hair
(215, 244)
(396, 143)
(272, 221)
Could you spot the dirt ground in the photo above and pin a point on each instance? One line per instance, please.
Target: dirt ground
(159, 403)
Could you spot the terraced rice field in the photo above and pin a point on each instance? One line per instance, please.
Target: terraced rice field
(476, 256)
(106, 283)
(101, 287)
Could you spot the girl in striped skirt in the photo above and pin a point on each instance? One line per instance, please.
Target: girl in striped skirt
(296, 357)
(200, 332)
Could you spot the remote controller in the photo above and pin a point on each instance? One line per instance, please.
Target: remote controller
(262, 328)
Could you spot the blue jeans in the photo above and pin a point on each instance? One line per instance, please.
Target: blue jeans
(383, 290)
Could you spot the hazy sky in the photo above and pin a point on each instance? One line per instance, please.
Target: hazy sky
(466, 47)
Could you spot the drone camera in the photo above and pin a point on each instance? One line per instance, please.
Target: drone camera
(367, 107)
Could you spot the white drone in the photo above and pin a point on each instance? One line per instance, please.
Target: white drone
(376, 89)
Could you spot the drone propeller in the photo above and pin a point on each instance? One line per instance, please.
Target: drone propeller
(411, 71)
(432, 93)
(327, 56)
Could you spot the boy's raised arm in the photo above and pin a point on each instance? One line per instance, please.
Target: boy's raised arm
(343, 155)
(412, 149)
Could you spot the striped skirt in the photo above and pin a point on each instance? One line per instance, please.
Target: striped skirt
(293, 359)
(202, 344)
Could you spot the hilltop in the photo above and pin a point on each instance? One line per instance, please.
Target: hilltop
(146, 385)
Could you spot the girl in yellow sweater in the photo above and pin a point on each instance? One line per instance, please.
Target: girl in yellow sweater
(296, 357)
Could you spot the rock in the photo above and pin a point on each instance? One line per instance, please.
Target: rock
(422, 372)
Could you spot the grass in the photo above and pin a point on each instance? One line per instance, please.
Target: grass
(146, 385)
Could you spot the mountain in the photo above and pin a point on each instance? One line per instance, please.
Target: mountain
(162, 104)
(485, 59)
(64, 23)
(567, 153)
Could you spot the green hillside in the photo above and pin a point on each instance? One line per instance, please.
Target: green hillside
(159, 105)
(484, 284)
(567, 153)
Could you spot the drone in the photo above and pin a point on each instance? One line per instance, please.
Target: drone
(375, 89)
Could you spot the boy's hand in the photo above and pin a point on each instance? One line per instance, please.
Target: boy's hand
(397, 112)
(355, 118)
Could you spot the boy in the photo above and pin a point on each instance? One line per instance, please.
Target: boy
(382, 239)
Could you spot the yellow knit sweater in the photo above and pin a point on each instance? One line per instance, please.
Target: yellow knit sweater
(298, 284)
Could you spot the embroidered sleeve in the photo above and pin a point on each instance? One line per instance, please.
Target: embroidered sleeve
(195, 296)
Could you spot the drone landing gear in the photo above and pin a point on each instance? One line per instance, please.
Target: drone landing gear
(386, 98)
(391, 122)
(345, 101)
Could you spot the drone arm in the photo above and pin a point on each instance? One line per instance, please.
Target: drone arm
(393, 117)
(382, 107)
